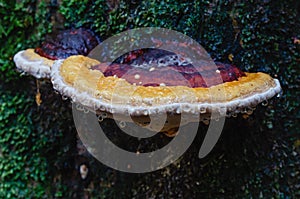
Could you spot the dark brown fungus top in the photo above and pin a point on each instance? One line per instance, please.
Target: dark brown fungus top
(38, 61)
(68, 42)
(153, 67)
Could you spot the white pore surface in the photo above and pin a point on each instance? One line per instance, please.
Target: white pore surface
(37, 68)
(235, 106)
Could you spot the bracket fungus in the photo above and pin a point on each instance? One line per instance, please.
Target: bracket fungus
(38, 61)
(151, 82)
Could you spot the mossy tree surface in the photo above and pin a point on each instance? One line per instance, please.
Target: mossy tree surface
(255, 157)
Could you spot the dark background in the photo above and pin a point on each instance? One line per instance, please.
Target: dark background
(256, 157)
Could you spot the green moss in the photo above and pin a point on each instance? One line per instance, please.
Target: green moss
(23, 169)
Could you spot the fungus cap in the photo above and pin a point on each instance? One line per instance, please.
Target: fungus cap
(38, 61)
(101, 88)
